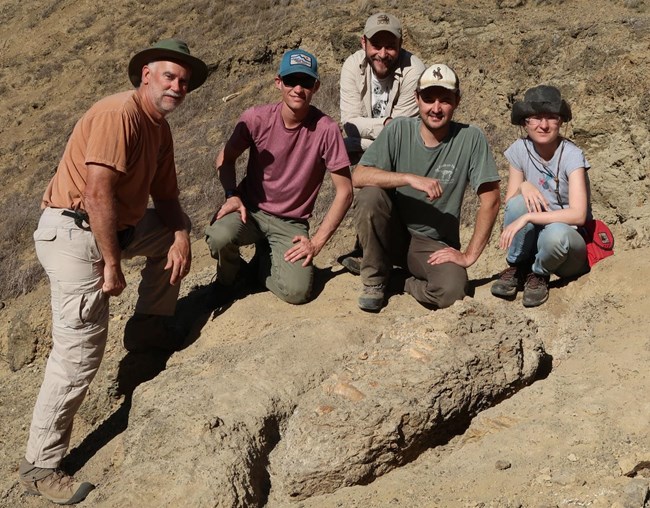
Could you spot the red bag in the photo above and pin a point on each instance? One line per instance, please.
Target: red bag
(599, 240)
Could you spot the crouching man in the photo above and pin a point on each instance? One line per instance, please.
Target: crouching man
(412, 181)
(291, 146)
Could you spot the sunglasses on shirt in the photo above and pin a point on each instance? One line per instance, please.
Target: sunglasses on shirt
(293, 80)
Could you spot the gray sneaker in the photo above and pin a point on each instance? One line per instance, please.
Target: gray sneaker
(535, 290)
(371, 298)
(509, 282)
(52, 484)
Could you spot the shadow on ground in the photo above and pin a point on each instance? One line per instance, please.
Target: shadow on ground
(192, 313)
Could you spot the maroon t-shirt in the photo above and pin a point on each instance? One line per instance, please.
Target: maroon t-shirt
(286, 167)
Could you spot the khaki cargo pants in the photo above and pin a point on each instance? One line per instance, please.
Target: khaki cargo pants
(74, 266)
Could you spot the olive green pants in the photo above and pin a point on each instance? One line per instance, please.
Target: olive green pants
(386, 242)
(291, 282)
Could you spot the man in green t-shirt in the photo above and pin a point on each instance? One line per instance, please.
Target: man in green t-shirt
(412, 181)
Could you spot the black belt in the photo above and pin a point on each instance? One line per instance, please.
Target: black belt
(124, 236)
(79, 216)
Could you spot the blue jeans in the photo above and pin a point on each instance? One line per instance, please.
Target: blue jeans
(556, 248)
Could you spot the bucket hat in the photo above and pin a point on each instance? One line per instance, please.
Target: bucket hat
(540, 99)
(168, 49)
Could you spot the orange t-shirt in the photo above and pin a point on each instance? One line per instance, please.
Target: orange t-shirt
(118, 133)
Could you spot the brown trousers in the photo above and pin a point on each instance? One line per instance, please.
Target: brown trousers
(386, 242)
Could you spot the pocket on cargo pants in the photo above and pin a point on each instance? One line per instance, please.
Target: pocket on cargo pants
(74, 265)
(79, 310)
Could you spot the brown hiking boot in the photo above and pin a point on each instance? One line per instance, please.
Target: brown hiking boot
(52, 484)
(535, 290)
(371, 298)
(352, 260)
(352, 264)
(509, 282)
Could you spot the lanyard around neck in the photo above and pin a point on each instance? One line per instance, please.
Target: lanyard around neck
(544, 169)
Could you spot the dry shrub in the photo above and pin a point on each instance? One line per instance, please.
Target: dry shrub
(19, 269)
(327, 97)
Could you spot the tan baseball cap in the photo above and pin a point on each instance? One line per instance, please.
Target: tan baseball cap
(382, 22)
(439, 75)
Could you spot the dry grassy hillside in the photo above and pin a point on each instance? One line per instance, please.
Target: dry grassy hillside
(57, 57)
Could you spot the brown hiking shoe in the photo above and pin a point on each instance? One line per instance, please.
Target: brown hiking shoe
(352, 260)
(52, 484)
(371, 298)
(535, 290)
(352, 264)
(509, 282)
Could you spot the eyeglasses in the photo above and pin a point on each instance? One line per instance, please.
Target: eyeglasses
(293, 80)
(535, 120)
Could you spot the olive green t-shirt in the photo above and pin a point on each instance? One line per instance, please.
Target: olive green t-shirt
(463, 157)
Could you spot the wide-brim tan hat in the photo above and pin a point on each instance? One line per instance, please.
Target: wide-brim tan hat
(173, 50)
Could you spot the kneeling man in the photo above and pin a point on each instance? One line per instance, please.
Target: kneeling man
(291, 145)
(412, 181)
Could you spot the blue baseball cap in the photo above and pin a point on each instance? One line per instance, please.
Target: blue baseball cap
(298, 61)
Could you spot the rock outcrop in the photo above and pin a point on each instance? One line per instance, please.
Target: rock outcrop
(416, 389)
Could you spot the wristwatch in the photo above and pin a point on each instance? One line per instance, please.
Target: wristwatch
(231, 192)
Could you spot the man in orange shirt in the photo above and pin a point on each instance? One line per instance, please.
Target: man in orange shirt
(95, 213)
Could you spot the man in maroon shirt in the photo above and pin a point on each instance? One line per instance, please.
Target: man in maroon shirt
(291, 146)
